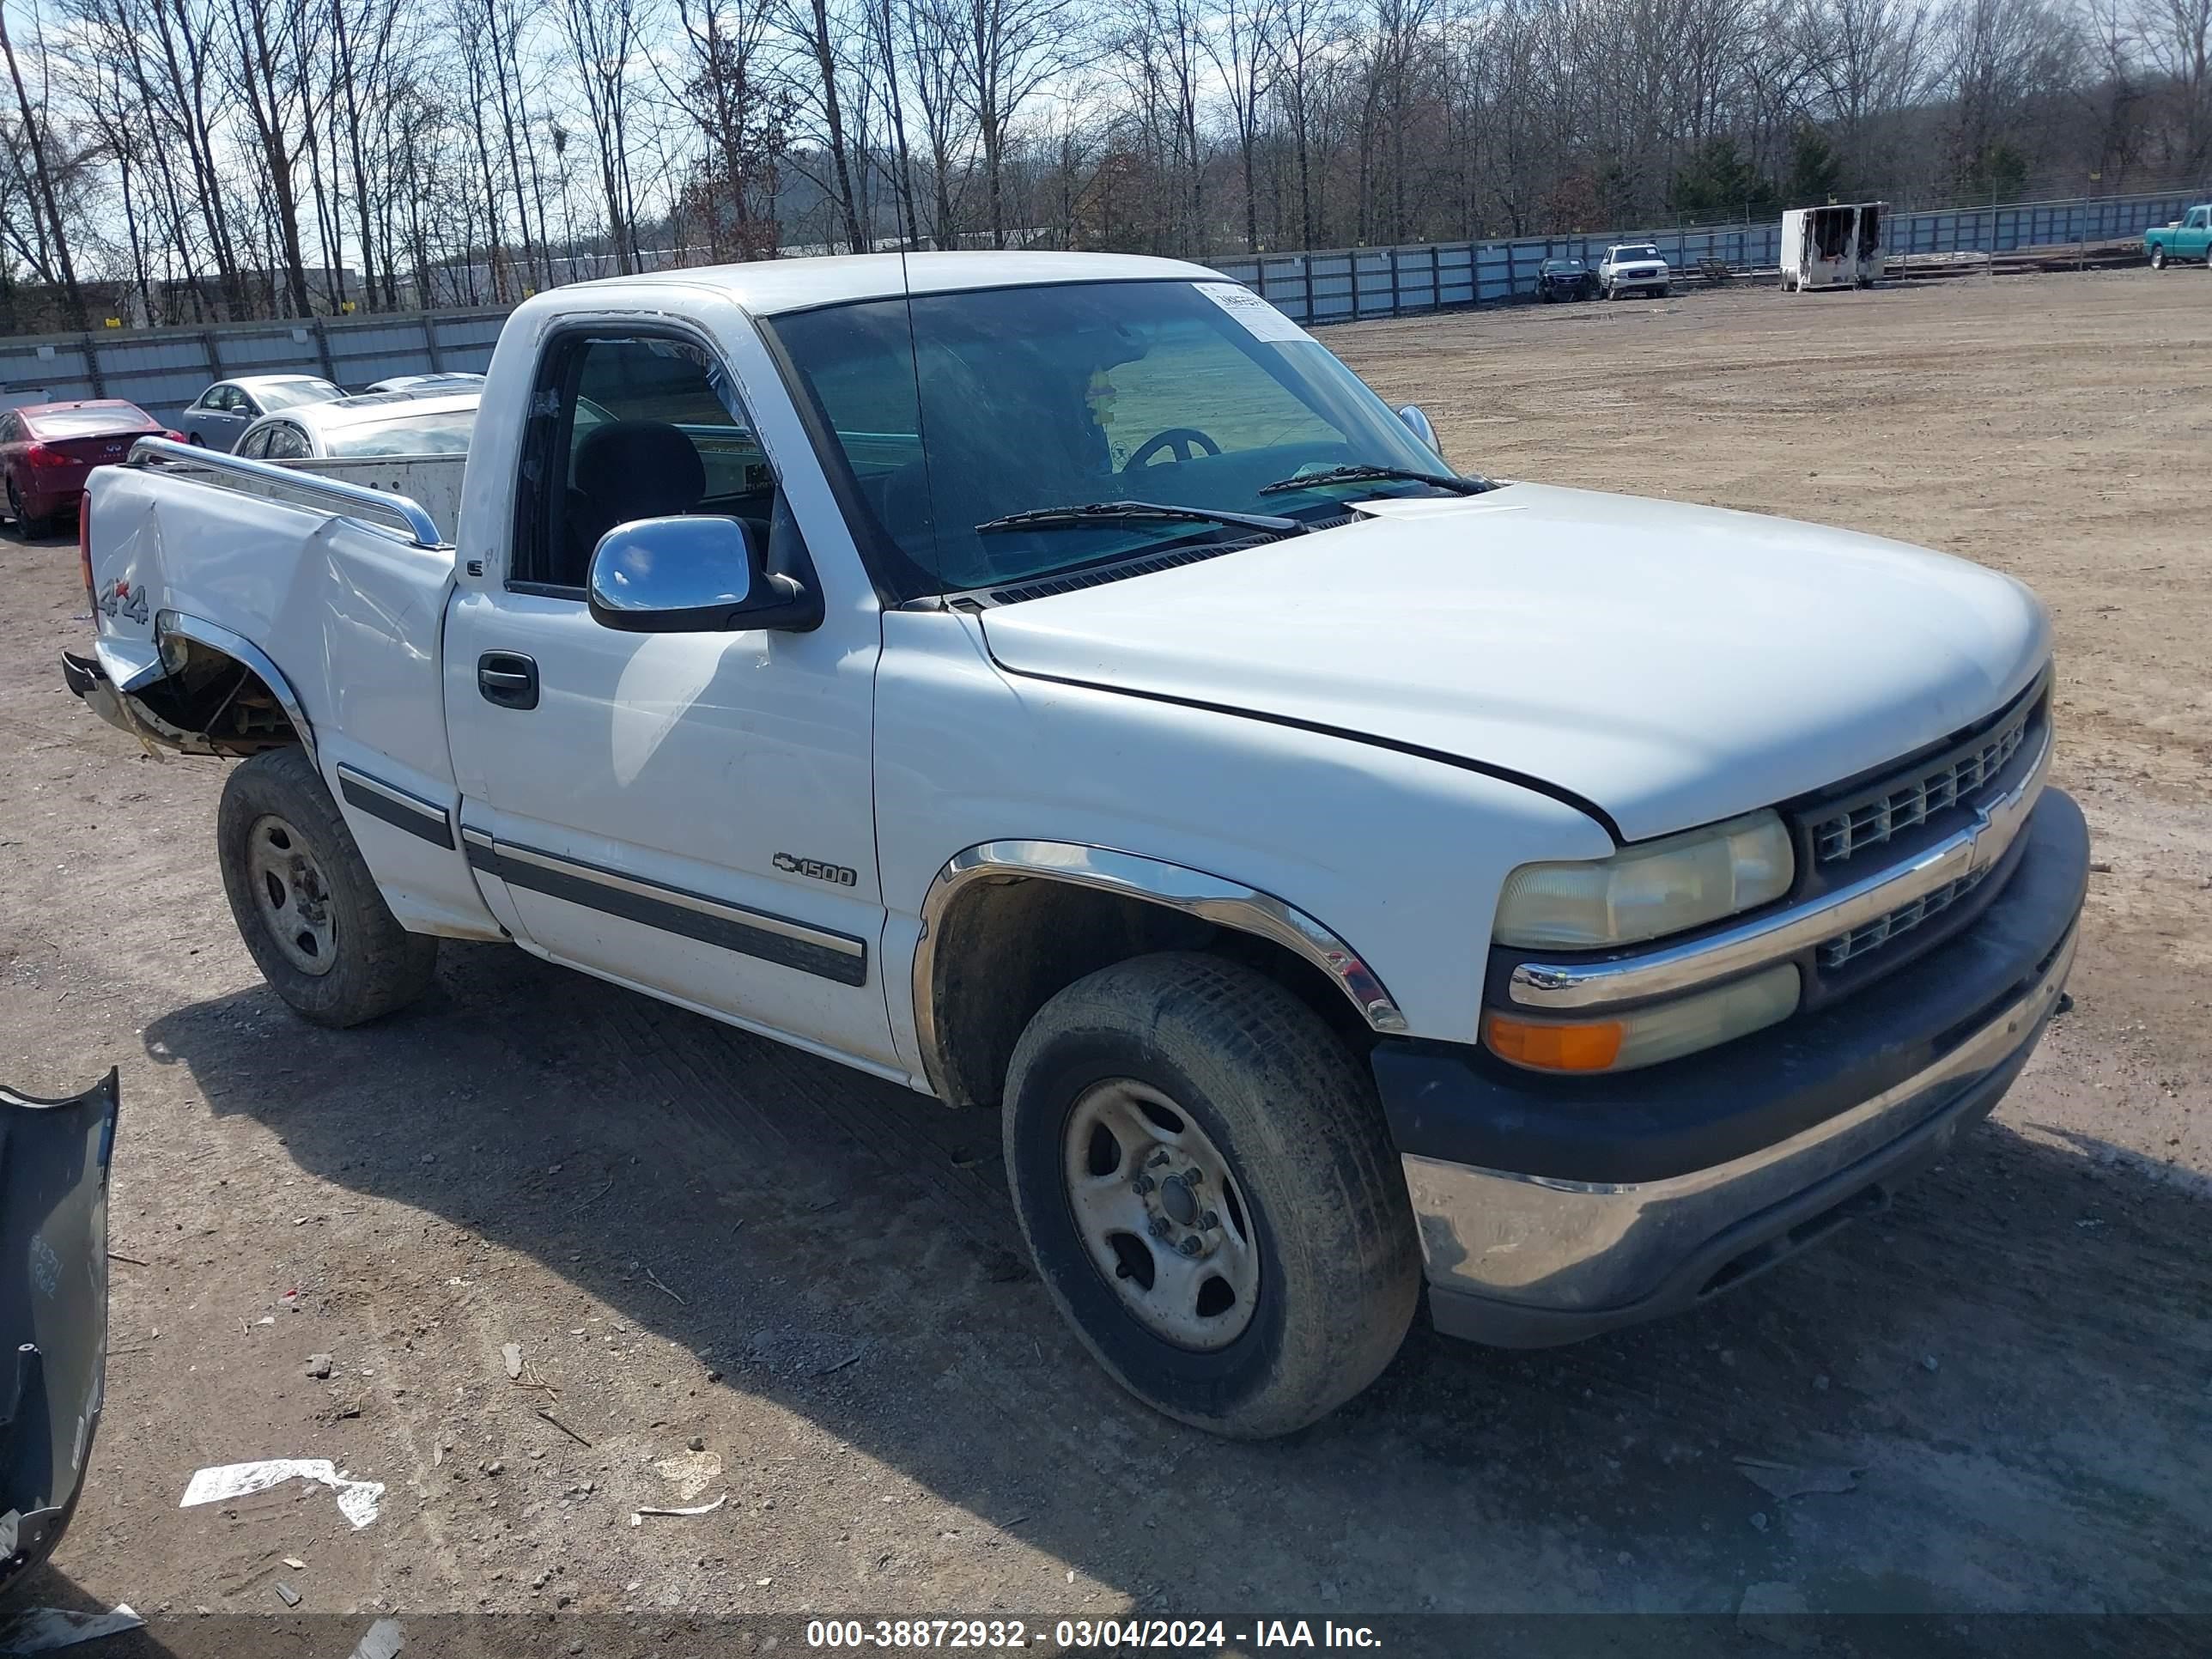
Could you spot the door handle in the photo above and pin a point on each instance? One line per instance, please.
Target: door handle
(507, 678)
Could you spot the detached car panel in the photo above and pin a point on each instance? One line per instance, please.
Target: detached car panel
(54, 1160)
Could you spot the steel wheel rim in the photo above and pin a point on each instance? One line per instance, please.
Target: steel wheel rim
(293, 897)
(1161, 1216)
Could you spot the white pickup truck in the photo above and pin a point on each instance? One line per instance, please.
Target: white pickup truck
(1628, 267)
(1056, 683)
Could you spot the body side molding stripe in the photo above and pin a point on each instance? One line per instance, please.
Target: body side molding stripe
(401, 808)
(756, 933)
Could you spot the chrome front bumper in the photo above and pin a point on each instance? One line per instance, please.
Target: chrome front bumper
(1526, 1261)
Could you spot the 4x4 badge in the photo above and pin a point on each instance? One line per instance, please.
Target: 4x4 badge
(120, 598)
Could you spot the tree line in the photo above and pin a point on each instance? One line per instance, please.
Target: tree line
(187, 160)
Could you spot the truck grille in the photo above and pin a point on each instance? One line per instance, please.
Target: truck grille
(1904, 803)
(1872, 935)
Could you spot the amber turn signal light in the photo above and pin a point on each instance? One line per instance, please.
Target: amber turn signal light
(1554, 1047)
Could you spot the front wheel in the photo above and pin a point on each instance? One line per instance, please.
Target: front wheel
(1202, 1172)
(1664, 287)
(304, 900)
(2158, 258)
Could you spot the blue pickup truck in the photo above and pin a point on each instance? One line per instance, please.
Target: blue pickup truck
(2187, 241)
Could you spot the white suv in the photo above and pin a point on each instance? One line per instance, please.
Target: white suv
(1629, 265)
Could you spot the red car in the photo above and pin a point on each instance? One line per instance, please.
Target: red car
(47, 450)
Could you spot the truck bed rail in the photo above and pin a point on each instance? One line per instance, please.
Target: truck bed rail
(374, 510)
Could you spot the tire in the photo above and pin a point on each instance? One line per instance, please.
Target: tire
(2158, 256)
(1303, 1218)
(1663, 289)
(28, 528)
(327, 943)
(197, 439)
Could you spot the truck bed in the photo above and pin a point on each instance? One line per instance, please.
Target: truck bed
(432, 482)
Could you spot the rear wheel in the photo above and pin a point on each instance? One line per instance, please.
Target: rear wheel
(29, 528)
(1202, 1172)
(304, 900)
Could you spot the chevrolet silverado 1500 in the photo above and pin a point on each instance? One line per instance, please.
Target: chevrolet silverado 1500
(1056, 683)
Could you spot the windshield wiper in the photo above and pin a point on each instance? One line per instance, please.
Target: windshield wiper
(1357, 473)
(1098, 512)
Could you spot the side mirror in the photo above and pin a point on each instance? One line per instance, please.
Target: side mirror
(693, 575)
(1418, 424)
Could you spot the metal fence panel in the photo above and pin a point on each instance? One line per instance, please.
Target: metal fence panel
(162, 370)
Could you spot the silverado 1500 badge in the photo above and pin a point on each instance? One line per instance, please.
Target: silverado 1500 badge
(817, 869)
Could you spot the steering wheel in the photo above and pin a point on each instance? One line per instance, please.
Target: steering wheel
(1185, 441)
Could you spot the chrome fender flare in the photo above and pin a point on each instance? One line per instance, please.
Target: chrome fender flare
(1154, 881)
(176, 624)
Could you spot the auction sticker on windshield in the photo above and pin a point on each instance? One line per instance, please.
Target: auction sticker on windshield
(1261, 320)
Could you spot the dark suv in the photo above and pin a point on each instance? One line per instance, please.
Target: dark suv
(1564, 279)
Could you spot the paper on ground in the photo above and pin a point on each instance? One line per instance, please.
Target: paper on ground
(42, 1630)
(358, 1500)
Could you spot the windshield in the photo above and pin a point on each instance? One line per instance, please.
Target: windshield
(89, 422)
(1010, 400)
(446, 434)
(291, 394)
(1640, 251)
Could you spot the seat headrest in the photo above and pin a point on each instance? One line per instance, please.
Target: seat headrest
(640, 469)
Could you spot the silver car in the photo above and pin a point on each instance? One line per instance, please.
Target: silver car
(378, 424)
(218, 417)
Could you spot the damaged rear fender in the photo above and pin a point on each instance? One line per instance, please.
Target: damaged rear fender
(54, 1160)
(209, 691)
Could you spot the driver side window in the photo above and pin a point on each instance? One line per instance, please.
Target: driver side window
(632, 427)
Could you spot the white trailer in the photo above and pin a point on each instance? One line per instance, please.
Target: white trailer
(1839, 245)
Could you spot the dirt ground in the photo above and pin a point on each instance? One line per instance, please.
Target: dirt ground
(730, 1268)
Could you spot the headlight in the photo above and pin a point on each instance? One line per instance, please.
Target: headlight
(1646, 1036)
(1644, 891)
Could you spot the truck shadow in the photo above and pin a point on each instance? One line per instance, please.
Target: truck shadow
(2012, 1359)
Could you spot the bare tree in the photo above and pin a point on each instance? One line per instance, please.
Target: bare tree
(1006, 50)
(2176, 35)
(36, 159)
(605, 37)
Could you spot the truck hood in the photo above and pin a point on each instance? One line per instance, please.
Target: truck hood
(53, 1310)
(1672, 664)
